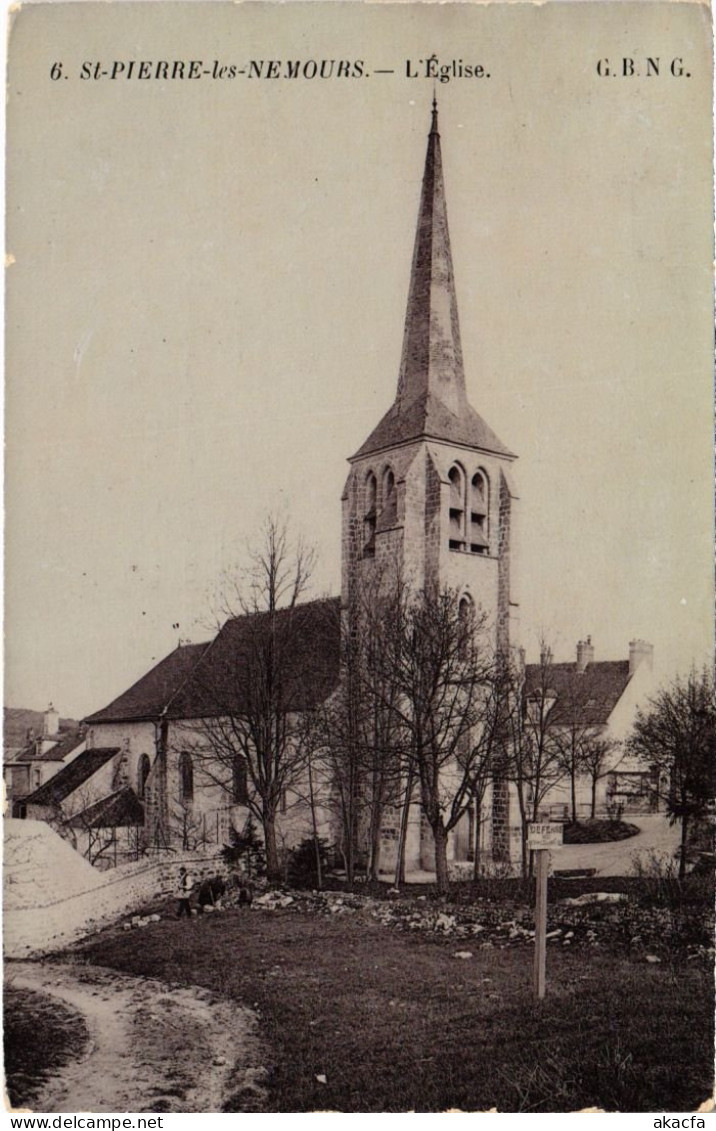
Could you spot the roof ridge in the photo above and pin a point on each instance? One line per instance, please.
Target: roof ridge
(190, 673)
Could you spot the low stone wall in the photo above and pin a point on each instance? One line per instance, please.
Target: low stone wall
(42, 916)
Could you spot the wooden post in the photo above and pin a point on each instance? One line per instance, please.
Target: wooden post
(542, 855)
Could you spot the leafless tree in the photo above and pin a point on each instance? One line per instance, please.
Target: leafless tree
(444, 674)
(584, 749)
(597, 759)
(571, 730)
(534, 755)
(354, 732)
(254, 684)
(190, 824)
(676, 736)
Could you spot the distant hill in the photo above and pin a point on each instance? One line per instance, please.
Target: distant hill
(17, 720)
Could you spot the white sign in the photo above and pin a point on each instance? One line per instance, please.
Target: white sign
(544, 836)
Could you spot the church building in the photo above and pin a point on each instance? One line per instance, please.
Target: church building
(429, 493)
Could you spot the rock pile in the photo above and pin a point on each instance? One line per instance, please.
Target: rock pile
(605, 921)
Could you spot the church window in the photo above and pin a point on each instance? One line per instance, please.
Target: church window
(371, 500)
(479, 508)
(464, 610)
(142, 775)
(239, 785)
(390, 498)
(186, 774)
(456, 479)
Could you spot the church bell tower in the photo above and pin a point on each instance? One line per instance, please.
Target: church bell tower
(430, 490)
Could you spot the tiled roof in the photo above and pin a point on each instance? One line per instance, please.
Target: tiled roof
(595, 692)
(307, 642)
(429, 417)
(121, 809)
(201, 680)
(152, 694)
(71, 777)
(56, 753)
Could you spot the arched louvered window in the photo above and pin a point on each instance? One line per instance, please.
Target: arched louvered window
(479, 511)
(456, 480)
(390, 498)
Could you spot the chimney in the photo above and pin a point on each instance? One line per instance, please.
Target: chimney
(640, 653)
(545, 657)
(585, 654)
(50, 722)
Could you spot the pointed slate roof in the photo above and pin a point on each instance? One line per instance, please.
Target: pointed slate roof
(431, 400)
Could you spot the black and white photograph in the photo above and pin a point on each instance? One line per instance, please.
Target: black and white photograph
(359, 716)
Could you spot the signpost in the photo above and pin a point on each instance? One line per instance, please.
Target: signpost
(540, 839)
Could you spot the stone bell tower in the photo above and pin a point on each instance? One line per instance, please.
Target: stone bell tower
(429, 493)
(430, 489)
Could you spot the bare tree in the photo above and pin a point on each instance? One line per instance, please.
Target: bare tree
(571, 730)
(596, 761)
(190, 824)
(584, 748)
(676, 736)
(445, 676)
(534, 755)
(355, 732)
(263, 670)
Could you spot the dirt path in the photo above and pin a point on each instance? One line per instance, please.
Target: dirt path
(153, 1047)
(617, 858)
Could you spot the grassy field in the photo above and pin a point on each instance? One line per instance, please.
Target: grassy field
(395, 1022)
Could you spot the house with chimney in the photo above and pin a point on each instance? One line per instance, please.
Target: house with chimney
(588, 702)
(46, 749)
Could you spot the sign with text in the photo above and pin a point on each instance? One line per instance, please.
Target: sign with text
(544, 836)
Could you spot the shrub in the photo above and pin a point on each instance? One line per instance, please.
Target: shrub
(303, 863)
(246, 850)
(598, 832)
(660, 886)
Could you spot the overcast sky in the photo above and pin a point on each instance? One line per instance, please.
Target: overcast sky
(205, 312)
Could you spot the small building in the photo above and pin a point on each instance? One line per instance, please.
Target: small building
(29, 766)
(591, 701)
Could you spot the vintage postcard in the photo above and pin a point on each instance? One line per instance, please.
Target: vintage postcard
(359, 709)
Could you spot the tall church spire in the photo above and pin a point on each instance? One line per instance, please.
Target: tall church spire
(432, 355)
(431, 401)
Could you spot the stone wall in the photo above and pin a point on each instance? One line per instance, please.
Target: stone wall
(52, 896)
